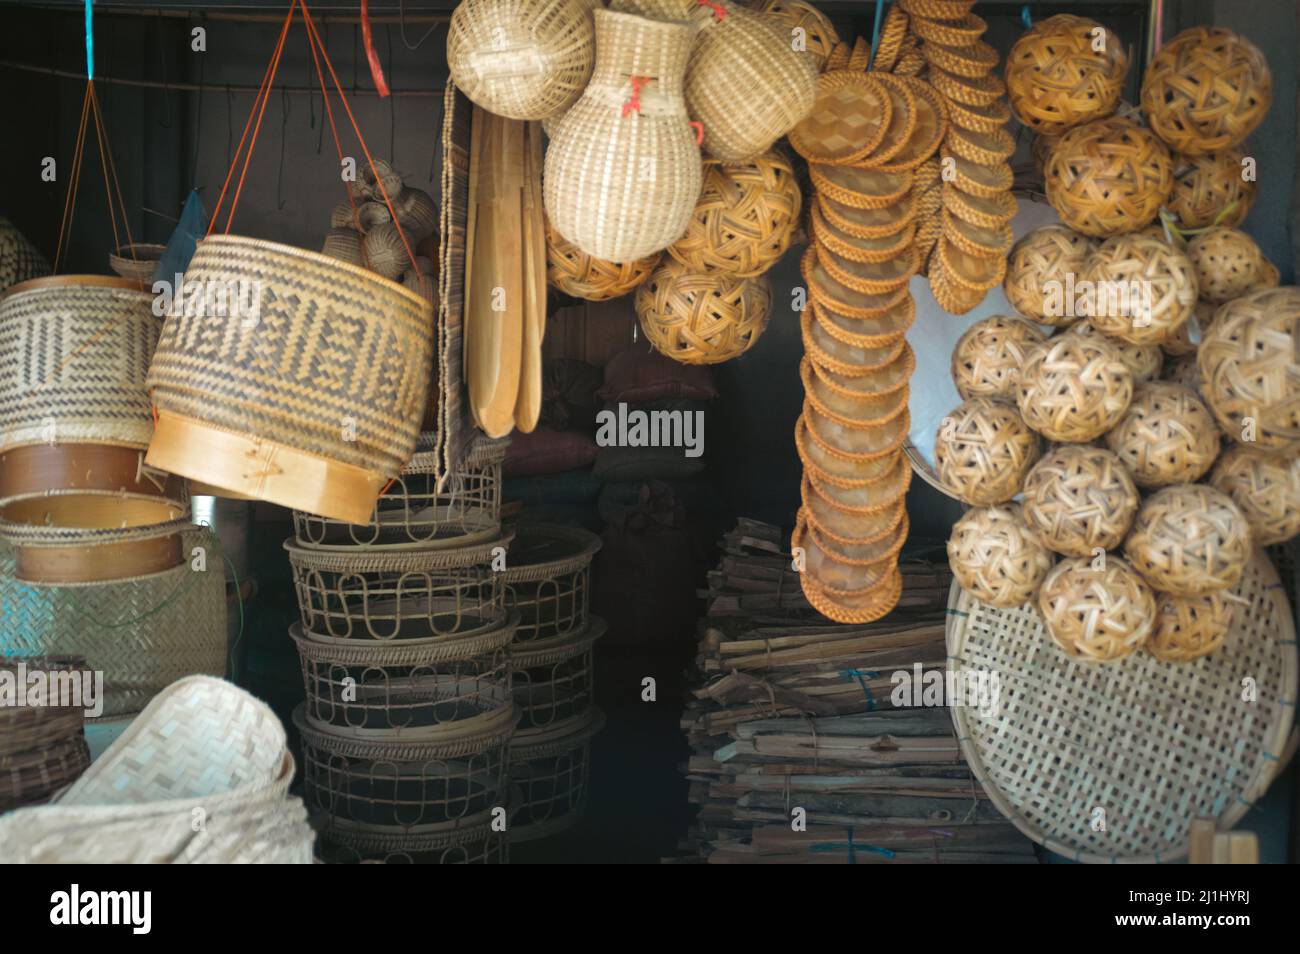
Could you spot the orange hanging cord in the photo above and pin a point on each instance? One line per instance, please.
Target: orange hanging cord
(253, 126)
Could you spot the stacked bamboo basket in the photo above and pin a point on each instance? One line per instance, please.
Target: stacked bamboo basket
(98, 557)
(870, 142)
(404, 637)
(803, 751)
(548, 584)
(1126, 471)
(42, 747)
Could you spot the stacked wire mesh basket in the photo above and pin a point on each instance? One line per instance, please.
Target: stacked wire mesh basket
(548, 586)
(403, 637)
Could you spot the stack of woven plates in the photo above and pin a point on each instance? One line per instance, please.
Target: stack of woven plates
(548, 584)
(403, 638)
(868, 139)
(42, 737)
(966, 207)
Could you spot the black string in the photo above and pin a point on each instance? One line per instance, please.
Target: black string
(165, 123)
(198, 124)
(284, 138)
(401, 17)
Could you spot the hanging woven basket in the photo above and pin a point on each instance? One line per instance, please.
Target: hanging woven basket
(276, 396)
(699, 318)
(76, 350)
(137, 261)
(1057, 77)
(19, 258)
(816, 33)
(622, 170)
(522, 59)
(1206, 90)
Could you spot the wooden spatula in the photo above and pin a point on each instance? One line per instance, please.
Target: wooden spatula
(494, 286)
(528, 407)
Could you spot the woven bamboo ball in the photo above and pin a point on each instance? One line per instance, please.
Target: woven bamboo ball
(697, 318)
(1189, 539)
(378, 177)
(986, 360)
(1108, 177)
(995, 557)
(744, 217)
(574, 272)
(1144, 361)
(1206, 90)
(1209, 190)
(1167, 436)
(1036, 282)
(1097, 609)
(1250, 369)
(1057, 78)
(983, 451)
(1188, 627)
(1074, 388)
(818, 36)
(523, 59)
(1226, 262)
(1078, 498)
(1139, 289)
(1267, 489)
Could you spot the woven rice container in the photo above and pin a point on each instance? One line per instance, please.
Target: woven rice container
(19, 258)
(1250, 369)
(746, 83)
(1207, 89)
(74, 352)
(622, 171)
(143, 633)
(1057, 78)
(309, 393)
(1108, 177)
(522, 59)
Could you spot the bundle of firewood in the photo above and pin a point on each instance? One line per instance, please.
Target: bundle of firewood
(819, 743)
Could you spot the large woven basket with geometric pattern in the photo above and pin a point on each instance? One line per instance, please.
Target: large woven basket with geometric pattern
(19, 258)
(1113, 763)
(291, 377)
(142, 632)
(74, 352)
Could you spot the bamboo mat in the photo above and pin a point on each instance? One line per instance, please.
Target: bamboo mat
(793, 711)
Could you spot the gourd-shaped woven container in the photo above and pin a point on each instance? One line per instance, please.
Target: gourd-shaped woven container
(623, 168)
(19, 258)
(522, 59)
(306, 389)
(1057, 78)
(746, 83)
(1108, 177)
(74, 352)
(1206, 90)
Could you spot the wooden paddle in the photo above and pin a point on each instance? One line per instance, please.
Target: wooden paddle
(528, 407)
(494, 271)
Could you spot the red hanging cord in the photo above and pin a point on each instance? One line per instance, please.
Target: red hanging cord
(633, 105)
(719, 11)
(376, 68)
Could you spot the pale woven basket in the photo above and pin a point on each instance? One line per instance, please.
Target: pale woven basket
(19, 258)
(622, 171)
(143, 633)
(1151, 745)
(200, 776)
(74, 353)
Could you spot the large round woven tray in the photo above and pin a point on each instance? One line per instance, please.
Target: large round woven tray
(550, 769)
(143, 633)
(548, 579)
(414, 513)
(1139, 746)
(307, 386)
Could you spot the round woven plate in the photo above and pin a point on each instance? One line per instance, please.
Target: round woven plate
(1151, 745)
(848, 121)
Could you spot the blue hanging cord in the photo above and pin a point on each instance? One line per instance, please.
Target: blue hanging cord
(90, 43)
(1025, 18)
(875, 32)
